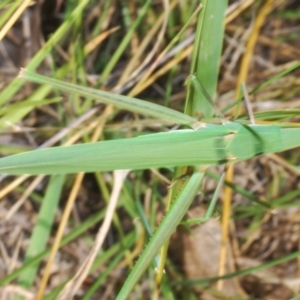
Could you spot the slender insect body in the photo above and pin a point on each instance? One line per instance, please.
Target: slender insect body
(214, 144)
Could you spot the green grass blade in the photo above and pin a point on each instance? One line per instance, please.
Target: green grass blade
(120, 101)
(6, 14)
(16, 84)
(206, 55)
(244, 272)
(163, 232)
(108, 258)
(276, 77)
(97, 283)
(81, 229)
(14, 116)
(42, 229)
(126, 40)
(27, 105)
(214, 144)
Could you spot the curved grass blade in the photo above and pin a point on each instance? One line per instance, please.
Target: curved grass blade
(214, 144)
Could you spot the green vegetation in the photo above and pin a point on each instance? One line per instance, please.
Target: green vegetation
(118, 132)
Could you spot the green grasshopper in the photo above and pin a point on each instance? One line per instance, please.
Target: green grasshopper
(201, 145)
(204, 144)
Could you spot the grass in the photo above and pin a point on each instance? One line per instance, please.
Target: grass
(89, 49)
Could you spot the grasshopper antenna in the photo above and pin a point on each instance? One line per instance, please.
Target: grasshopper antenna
(248, 103)
(200, 88)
